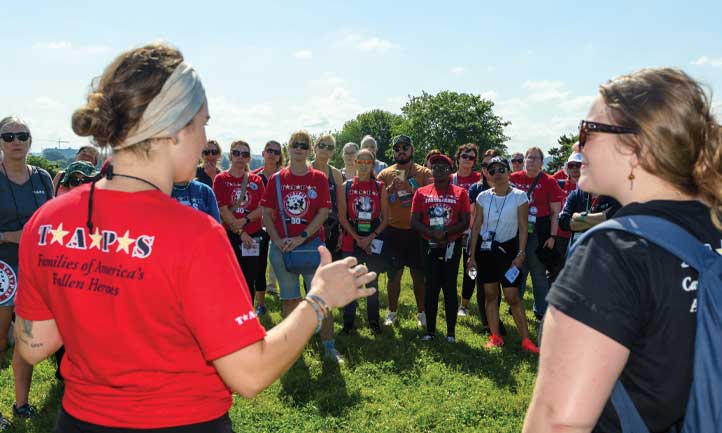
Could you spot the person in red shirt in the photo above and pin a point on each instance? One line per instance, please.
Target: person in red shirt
(239, 196)
(158, 332)
(517, 162)
(363, 213)
(305, 205)
(440, 213)
(544, 207)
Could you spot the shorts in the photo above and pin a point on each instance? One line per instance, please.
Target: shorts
(67, 423)
(405, 248)
(492, 265)
(288, 283)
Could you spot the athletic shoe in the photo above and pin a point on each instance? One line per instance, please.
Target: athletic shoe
(451, 339)
(421, 319)
(25, 411)
(390, 318)
(427, 337)
(528, 346)
(463, 311)
(5, 424)
(261, 310)
(495, 340)
(333, 355)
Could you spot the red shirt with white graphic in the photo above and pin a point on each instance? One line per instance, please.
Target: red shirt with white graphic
(466, 181)
(302, 197)
(141, 307)
(362, 197)
(447, 205)
(228, 193)
(567, 186)
(560, 175)
(546, 191)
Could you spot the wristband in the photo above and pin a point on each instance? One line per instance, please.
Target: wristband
(582, 216)
(521, 253)
(319, 313)
(321, 303)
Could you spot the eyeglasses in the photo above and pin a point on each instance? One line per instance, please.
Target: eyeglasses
(207, 152)
(10, 136)
(468, 157)
(403, 147)
(586, 128)
(574, 165)
(75, 181)
(364, 162)
(500, 170)
(300, 145)
(238, 153)
(326, 146)
(273, 151)
(518, 161)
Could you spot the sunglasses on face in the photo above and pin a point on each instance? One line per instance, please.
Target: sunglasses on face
(300, 145)
(586, 128)
(364, 162)
(243, 154)
(207, 152)
(10, 136)
(403, 147)
(273, 151)
(468, 157)
(75, 181)
(326, 146)
(500, 170)
(518, 161)
(574, 165)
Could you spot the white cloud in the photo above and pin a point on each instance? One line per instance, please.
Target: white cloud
(56, 45)
(489, 94)
(577, 104)
(302, 54)
(68, 48)
(546, 90)
(457, 70)
(376, 44)
(327, 80)
(708, 61)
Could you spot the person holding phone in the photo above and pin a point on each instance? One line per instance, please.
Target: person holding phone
(498, 240)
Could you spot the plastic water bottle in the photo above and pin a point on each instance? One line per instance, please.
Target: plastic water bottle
(471, 273)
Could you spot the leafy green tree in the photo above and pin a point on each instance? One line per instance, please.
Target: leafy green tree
(376, 123)
(53, 155)
(447, 120)
(52, 167)
(560, 154)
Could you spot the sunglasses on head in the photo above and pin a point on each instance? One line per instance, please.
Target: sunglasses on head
(10, 136)
(273, 151)
(75, 181)
(468, 157)
(238, 153)
(586, 128)
(518, 161)
(364, 162)
(300, 145)
(326, 146)
(574, 165)
(207, 152)
(403, 147)
(500, 170)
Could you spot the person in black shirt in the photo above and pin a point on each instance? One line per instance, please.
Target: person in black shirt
(624, 308)
(206, 172)
(583, 211)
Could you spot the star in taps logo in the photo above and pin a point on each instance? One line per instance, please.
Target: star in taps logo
(106, 241)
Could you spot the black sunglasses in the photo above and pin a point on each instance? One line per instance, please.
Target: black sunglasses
(238, 153)
(574, 165)
(75, 181)
(404, 147)
(586, 128)
(326, 146)
(468, 157)
(500, 170)
(518, 161)
(207, 152)
(300, 145)
(273, 151)
(10, 136)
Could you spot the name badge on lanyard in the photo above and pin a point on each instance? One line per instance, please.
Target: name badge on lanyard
(532, 218)
(487, 240)
(364, 217)
(436, 223)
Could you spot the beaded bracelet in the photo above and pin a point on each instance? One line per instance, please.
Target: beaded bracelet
(321, 303)
(319, 313)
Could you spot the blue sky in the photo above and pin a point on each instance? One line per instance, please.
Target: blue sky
(272, 67)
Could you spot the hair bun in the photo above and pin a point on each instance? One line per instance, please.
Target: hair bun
(95, 119)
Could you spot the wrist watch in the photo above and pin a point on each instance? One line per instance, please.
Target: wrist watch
(304, 234)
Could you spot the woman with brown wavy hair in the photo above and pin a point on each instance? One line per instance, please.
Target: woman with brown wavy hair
(144, 292)
(210, 155)
(624, 308)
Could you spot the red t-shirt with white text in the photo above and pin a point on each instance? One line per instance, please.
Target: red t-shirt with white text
(144, 302)
(364, 197)
(302, 197)
(228, 193)
(546, 191)
(447, 205)
(466, 181)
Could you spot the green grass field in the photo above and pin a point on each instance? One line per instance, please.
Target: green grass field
(390, 383)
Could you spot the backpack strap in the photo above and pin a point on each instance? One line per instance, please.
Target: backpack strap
(280, 204)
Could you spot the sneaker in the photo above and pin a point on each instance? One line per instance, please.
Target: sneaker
(495, 340)
(5, 424)
(390, 318)
(427, 337)
(333, 355)
(451, 339)
(528, 346)
(463, 311)
(261, 310)
(25, 411)
(421, 319)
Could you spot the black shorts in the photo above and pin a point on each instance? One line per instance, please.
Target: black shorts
(405, 248)
(492, 265)
(66, 423)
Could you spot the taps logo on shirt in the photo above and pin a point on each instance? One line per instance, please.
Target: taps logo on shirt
(8, 282)
(296, 204)
(107, 241)
(236, 197)
(440, 211)
(363, 204)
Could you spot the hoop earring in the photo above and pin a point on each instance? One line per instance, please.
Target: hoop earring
(631, 179)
